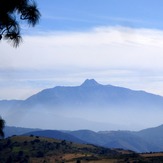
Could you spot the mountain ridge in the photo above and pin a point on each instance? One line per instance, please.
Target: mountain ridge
(138, 141)
(89, 89)
(90, 101)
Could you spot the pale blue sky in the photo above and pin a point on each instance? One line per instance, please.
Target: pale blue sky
(118, 42)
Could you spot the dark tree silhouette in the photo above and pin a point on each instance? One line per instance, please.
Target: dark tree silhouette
(11, 12)
(2, 124)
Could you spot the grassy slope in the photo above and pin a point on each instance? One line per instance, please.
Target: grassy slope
(39, 149)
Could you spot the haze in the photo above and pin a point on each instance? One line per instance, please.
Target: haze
(115, 42)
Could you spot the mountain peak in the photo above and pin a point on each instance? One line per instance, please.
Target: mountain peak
(90, 82)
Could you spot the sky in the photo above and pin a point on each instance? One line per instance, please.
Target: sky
(112, 41)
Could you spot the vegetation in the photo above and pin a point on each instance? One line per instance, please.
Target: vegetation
(13, 10)
(36, 149)
(2, 124)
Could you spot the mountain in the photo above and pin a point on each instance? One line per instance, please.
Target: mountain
(141, 141)
(11, 130)
(153, 135)
(117, 139)
(55, 134)
(90, 106)
(91, 93)
(147, 140)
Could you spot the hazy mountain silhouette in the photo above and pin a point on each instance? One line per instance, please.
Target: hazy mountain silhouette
(118, 139)
(147, 140)
(90, 104)
(11, 130)
(153, 135)
(93, 94)
(56, 134)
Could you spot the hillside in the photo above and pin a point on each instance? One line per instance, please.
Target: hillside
(114, 139)
(117, 139)
(153, 135)
(147, 140)
(39, 149)
(56, 134)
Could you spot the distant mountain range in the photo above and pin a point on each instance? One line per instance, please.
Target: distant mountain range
(147, 140)
(89, 106)
(93, 94)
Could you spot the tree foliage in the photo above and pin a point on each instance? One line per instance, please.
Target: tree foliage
(11, 12)
(2, 124)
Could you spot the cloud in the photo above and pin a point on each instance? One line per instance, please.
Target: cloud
(117, 55)
(112, 46)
